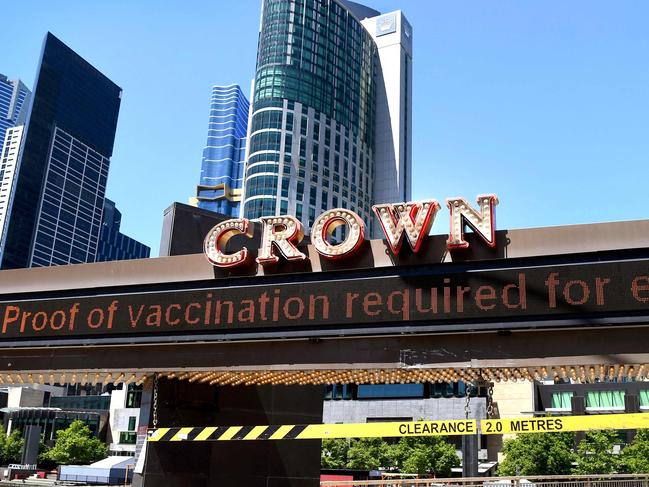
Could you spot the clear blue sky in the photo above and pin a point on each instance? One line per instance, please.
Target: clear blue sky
(544, 103)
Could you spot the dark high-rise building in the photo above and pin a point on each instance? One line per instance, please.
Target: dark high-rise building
(58, 197)
(114, 245)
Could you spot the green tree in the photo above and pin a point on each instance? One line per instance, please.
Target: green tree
(421, 455)
(538, 454)
(367, 454)
(334, 453)
(635, 457)
(13, 447)
(424, 455)
(420, 461)
(3, 444)
(43, 450)
(595, 453)
(76, 445)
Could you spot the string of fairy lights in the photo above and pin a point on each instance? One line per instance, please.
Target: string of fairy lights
(574, 373)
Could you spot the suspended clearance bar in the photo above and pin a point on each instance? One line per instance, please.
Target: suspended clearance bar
(401, 429)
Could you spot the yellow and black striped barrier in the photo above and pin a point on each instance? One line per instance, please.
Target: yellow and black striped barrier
(408, 428)
(317, 431)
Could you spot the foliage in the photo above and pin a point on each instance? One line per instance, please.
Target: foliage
(538, 454)
(367, 454)
(635, 457)
(424, 455)
(11, 446)
(14, 447)
(594, 453)
(3, 444)
(76, 446)
(43, 461)
(421, 455)
(334, 453)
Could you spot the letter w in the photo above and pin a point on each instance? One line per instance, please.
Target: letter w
(413, 219)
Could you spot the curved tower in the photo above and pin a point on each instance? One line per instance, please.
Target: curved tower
(311, 134)
(224, 155)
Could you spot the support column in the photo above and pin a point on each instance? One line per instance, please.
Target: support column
(470, 444)
(144, 422)
(256, 463)
(631, 405)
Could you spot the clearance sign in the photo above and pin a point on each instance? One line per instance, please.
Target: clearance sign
(399, 429)
(565, 423)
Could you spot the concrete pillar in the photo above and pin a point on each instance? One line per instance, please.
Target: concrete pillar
(256, 463)
(470, 445)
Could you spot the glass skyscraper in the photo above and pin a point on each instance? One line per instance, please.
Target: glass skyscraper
(14, 101)
(323, 93)
(58, 197)
(113, 244)
(224, 155)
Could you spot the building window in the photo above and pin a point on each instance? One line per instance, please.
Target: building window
(127, 438)
(339, 391)
(386, 391)
(605, 401)
(561, 401)
(131, 423)
(134, 396)
(644, 400)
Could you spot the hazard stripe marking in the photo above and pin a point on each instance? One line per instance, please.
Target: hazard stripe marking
(270, 430)
(255, 433)
(191, 436)
(295, 431)
(243, 431)
(229, 433)
(218, 432)
(169, 434)
(157, 434)
(281, 431)
(205, 433)
(409, 428)
(182, 434)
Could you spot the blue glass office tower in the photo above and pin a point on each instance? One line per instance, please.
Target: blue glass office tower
(224, 155)
(14, 99)
(113, 244)
(63, 164)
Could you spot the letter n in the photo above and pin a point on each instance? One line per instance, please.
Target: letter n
(413, 219)
(483, 222)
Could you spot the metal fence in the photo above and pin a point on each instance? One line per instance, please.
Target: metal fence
(541, 481)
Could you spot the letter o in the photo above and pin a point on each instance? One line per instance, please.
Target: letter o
(287, 308)
(585, 292)
(91, 321)
(327, 223)
(52, 320)
(38, 315)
